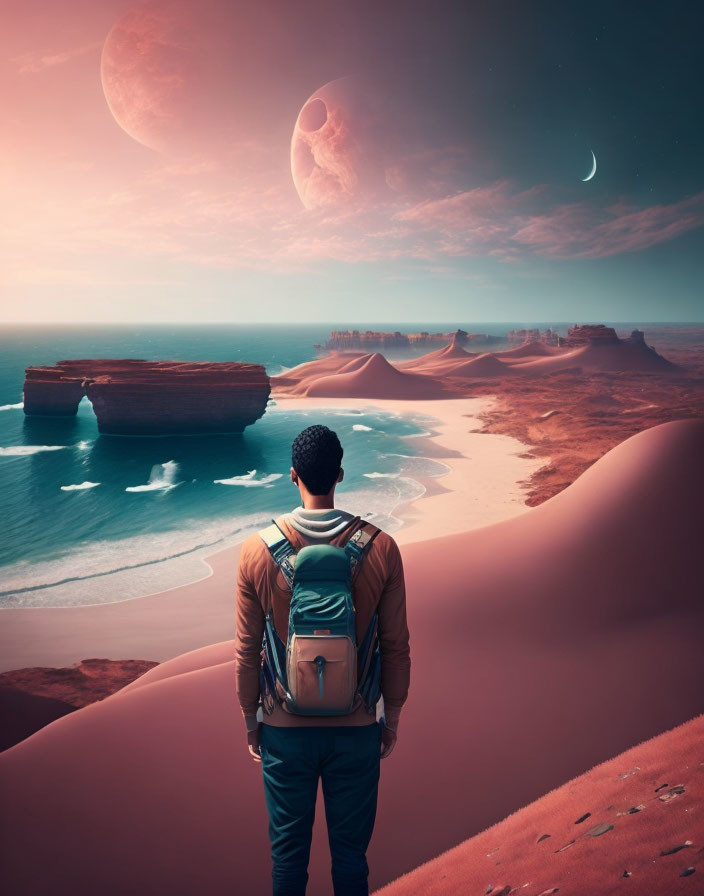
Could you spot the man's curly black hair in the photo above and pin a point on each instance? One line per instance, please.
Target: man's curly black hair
(316, 455)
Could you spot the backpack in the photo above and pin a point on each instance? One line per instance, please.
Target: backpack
(320, 670)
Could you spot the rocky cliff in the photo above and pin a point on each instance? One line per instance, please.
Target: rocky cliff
(137, 397)
(592, 334)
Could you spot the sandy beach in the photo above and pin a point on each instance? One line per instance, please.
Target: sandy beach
(486, 473)
(484, 484)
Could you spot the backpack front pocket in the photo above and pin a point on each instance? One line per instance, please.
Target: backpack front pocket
(322, 672)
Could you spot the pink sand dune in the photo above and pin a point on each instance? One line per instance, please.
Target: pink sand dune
(295, 380)
(632, 824)
(535, 348)
(440, 358)
(487, 364)
(540, 646)
(627, 355)
(23, 713)
(354, 364)
(376, 378)
(203, 657)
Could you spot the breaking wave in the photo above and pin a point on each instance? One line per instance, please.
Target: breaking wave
(247, 480)
(26, 450)
(157, 562)
(79, 487)
(161, 478)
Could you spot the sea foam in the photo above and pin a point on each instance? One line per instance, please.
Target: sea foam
(26, 450)
(247, 480)
(161, 478)
(80, 486)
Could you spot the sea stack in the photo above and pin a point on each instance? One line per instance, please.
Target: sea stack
(138, 397)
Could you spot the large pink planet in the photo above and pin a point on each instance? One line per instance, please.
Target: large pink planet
(339, 147)
(149, 71)
(178, 76)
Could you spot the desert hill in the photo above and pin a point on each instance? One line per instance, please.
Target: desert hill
(376, 378)
(630, 825)
(440, 359)
(591, 349)
(597, 349)
(488, 364)
(534, 348)
(564, 652)
(294, 381)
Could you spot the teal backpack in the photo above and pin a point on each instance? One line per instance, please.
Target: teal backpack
(320, 670)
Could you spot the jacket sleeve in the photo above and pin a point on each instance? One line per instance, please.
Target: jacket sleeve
(249, 629)
(394, 640)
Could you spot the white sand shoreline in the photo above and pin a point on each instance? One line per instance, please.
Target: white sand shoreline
(459, 500)
(482, 486)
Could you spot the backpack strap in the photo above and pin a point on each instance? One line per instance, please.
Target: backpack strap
(281, 549)
(358, 546)
(284, 553)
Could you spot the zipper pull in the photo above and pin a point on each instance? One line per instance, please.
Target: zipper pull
(320, 662)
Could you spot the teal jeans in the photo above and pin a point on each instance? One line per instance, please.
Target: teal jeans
(346, 758)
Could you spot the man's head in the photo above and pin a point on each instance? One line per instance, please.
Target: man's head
(316, 455)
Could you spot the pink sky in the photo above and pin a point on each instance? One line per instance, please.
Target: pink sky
(91, 213)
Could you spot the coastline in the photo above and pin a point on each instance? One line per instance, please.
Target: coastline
(481, 486)
(458, 500)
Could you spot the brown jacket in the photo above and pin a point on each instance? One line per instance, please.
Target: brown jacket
(379, 586)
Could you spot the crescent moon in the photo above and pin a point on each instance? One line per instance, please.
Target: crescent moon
(593, 171)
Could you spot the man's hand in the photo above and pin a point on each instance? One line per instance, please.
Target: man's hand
(253, 730)
(388, 741)
(253, 741)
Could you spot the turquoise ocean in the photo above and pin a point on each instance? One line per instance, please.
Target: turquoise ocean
(90, 518)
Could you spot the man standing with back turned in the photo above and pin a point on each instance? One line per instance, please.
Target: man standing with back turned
(295, 748)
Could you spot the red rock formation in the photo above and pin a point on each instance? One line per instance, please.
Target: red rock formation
(48, 392)
(31, 698)
(591, 334)
(80, 684)
(371, 339)
(137, 397)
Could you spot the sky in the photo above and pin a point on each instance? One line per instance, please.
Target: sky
(326, 161)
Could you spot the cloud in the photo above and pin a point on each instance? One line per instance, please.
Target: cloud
(37, 62)
(495, 221)
(226, 216)
(580, 230)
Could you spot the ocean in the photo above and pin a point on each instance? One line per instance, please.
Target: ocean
(90, 518)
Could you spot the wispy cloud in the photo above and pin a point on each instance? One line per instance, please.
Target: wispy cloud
(207, 214)
(29, 63)
(580, 230)
(495, 221)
